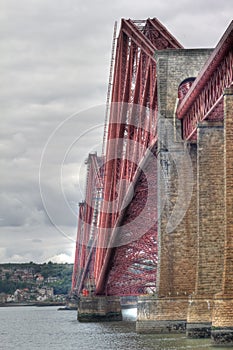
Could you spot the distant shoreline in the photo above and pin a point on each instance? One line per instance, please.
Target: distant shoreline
(40, 304)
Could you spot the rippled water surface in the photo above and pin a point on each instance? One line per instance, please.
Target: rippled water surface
(45, 328)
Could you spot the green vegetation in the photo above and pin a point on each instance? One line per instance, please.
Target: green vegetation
(21, 276)
(9, 287)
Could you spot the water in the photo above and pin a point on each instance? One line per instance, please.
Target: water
(45, 328)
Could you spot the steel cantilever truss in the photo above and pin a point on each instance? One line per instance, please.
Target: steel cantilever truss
(120, 258)
(87, 226)
(204, 100)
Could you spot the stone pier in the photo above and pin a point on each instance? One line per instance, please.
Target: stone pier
(161, 315)
(177, 201)
(222, 320)
(210, 220)
(99, 309)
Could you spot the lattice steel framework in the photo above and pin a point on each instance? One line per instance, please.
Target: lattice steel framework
(204, 100)
(122, 257)
(87, 226)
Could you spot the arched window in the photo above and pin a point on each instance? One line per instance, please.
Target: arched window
(184, 87)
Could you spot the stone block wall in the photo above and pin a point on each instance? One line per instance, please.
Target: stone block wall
(177, 178)
(228, 160)
(211, 221)
(222, 319)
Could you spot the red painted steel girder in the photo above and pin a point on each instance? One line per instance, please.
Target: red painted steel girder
(204, 99)
(77, 249)
(87, 225)
(132, 130)
(132, 267)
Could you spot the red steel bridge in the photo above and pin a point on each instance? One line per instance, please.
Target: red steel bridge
(117, 241)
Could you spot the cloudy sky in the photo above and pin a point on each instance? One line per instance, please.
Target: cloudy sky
(54, 67)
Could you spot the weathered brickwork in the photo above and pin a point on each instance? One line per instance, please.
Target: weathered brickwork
(210, 180)
(228, 152)
(178, 243)
(200, 310)
(173, 67)
(177, 199)
(222, 312)
(178, 247)
(222, 322)
(210, 219)
(161, 315)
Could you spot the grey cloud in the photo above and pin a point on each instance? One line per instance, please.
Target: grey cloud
(19, 208)
(18, 245)
(36, 240)
(54, 64)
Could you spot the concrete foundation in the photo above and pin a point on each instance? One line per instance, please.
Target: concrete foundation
(198, 330)
(222, 329)
(199, 318)
(99, 309)
(159, 327)
(161, 315)
(222, 337)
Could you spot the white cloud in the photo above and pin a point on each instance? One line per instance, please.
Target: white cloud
(61, 259)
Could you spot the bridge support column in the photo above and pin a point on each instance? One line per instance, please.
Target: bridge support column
(99, 309)
(177, 244)
(222, 324)
(210, 219)
(167, 312)
(161, 315)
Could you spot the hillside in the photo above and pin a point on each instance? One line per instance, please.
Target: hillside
(32, 277)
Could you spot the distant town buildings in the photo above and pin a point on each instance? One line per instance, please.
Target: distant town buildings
(32, 286)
